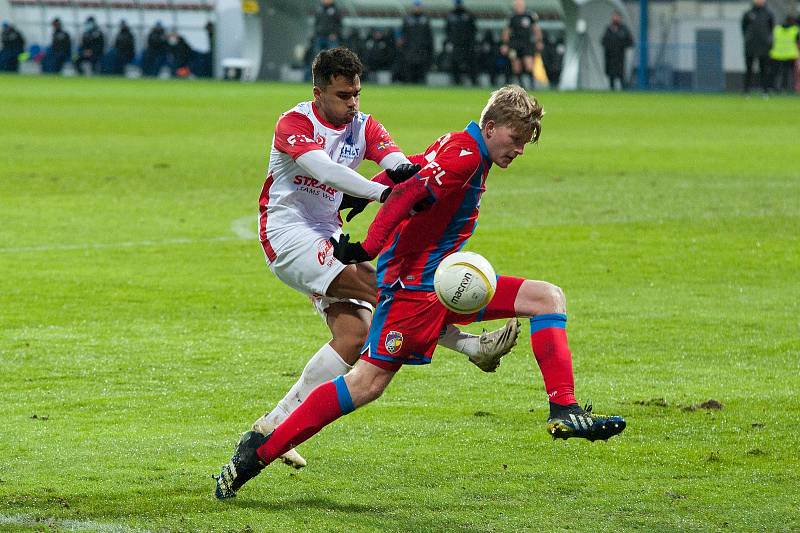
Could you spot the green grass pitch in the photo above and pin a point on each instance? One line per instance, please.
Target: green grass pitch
(140, 331)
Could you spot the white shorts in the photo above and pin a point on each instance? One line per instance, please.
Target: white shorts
(304, 261)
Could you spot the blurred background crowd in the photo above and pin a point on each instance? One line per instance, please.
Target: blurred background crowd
(95, 52)
(452, 45)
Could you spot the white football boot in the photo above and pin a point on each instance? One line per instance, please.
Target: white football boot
(496, 344)
(291, 457)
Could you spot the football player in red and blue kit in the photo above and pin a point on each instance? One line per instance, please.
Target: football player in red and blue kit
(424, 220)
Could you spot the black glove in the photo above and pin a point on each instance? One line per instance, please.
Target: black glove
(401, 173)
(348, 252)
(422, 205)
(354, 204)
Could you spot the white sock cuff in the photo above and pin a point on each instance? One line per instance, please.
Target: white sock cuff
(332, 361)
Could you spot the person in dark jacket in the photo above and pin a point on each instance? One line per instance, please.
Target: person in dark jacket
(180, 55)
(60, 49)
(354, 42)
(416, 45)
(327, 25)
(461, 31)
(121, 53)
(380, 52)
(553, 57)
(489, 59)
(757, 25)
(13, 46)
(616, 40)
(155, 54)
(125, 44)
(90, 51)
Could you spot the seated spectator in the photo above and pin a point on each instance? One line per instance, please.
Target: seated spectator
(488, 52)
(353, 41)
(13, 46)
(155, 54)
(90, 51)
(415, 45)
(202, 63)
(380, 52)
(180, 55)
(60, 50)
(121, 53)
(553, 57)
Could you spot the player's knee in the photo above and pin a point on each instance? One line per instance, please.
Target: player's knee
(556, 298)
(541, 297)
(356, 336)
(364, 387)
(374, 391)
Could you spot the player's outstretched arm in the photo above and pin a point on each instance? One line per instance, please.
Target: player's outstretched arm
(321, 167)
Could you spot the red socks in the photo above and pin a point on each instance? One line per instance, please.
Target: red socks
(549, 343)
(325, 404)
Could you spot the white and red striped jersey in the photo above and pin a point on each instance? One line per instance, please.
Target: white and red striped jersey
(290, 197)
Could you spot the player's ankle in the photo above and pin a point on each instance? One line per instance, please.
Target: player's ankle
(557, 410)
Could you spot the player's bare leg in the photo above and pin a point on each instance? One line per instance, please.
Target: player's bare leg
(546, 305)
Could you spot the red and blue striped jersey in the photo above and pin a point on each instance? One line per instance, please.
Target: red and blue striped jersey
(454, 174)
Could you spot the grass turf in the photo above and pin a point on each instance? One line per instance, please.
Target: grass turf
(140, 331)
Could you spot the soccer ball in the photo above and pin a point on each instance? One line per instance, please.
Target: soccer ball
(464, 282)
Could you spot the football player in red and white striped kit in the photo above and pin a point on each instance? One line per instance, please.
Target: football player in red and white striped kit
(316, 148)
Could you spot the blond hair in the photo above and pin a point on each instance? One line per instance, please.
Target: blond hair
(512, 106)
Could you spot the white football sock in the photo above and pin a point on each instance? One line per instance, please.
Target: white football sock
(455, 339)
(324, 366)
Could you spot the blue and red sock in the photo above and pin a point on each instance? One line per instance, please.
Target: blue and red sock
(549, 344)
(326, 403)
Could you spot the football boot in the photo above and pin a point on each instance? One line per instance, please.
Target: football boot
(244, 465)
(575, 422)
(494, 345)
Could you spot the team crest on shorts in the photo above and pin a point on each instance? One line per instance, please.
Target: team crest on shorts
(394, 341)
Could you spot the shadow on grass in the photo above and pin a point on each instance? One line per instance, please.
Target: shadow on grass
(298, 504)
(402, 516)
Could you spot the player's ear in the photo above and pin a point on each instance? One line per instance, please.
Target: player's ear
(489, 127)
(317, 92)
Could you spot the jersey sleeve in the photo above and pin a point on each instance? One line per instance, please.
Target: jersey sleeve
(294, 135)
(379, 142)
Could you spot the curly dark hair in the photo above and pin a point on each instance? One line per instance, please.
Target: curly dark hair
(335, 62)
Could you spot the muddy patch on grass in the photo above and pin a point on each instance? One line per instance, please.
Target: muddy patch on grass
(652, 402)
(709, 405)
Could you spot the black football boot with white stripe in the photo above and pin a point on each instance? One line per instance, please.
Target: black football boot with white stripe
(245, 465)
(572, 421)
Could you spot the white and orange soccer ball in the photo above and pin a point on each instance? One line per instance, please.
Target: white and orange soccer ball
(464, 282)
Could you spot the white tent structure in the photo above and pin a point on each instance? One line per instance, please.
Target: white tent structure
(585, 22)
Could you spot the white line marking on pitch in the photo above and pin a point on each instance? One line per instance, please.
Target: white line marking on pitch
(243, 228)
(100, 246)
(67, 524)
